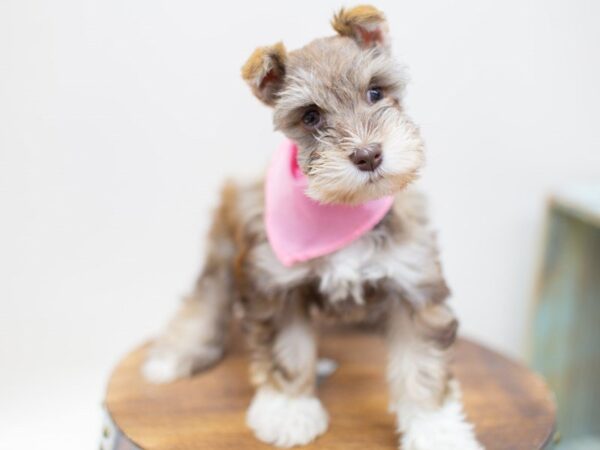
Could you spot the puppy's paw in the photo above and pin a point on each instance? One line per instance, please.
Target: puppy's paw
(164, 365)
(445, 429)
(286, 421)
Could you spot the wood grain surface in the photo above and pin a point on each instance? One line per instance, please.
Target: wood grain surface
(510, 405)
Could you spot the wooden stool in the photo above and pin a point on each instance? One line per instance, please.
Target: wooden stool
(509, 405)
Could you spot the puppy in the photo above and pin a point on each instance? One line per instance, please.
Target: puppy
(333, 229)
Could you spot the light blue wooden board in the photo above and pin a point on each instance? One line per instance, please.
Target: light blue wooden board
(567, 321)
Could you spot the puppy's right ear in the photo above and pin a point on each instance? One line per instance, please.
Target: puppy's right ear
(264, 72)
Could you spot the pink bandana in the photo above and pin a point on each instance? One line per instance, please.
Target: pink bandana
(300, 228)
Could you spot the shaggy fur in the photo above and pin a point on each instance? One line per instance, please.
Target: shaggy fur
(390, 277)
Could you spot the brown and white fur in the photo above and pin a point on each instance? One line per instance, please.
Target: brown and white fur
(391, 276)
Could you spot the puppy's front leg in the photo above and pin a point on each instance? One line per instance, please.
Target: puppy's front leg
(285, 410)
(424, 396)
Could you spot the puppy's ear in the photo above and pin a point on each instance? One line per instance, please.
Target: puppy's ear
(264, 72)
(365, 24)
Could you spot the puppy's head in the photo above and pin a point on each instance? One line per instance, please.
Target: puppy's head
(340, 99)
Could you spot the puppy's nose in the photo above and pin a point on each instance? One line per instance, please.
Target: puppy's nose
(367, 158)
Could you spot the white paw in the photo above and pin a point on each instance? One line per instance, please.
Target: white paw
(286, 421)
(164, 369)
(445, 429)
(164, 366)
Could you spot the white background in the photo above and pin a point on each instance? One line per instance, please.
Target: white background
(119, 120)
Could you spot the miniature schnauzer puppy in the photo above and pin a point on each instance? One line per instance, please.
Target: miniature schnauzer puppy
(339, 100)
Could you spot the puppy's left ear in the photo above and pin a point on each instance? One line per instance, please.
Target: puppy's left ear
(264, 72)
(365, 24)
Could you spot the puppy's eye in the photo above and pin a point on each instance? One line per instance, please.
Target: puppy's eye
(374, 94)
(312, 118)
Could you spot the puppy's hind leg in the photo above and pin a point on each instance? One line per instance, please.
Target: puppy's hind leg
(195, 338)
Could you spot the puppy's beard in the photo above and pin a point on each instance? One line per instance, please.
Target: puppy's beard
(336, 180)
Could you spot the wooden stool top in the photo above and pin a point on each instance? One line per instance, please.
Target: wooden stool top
(510, 406)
